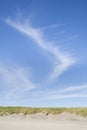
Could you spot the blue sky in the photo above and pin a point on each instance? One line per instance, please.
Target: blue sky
(43, 53)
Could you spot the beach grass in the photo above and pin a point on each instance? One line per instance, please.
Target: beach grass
(46, 111)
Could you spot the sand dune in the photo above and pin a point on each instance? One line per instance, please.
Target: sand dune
(42, 122)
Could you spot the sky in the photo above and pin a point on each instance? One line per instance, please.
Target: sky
(43, 53)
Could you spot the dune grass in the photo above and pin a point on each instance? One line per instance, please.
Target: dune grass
(46, 111)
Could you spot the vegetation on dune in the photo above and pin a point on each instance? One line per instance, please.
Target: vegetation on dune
(78, 111)
(46, 111)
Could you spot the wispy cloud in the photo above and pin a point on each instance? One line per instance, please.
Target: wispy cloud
(69, 38)
(16, 80)
(67, 92)
(70, 89)
(62, 60)
(63, 96)
(52, 26)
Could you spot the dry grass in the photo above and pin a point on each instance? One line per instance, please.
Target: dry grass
(46, 111)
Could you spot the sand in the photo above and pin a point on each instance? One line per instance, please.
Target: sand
(41, 122)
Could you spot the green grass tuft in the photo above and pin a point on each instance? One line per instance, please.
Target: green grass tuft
(46, 111)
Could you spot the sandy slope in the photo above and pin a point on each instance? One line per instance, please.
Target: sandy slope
(41, 122)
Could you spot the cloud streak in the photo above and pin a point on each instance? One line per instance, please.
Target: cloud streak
(52, 26)
(62, 60)
(79, 91)
(70, 89)
(15, 80)
(63, 96)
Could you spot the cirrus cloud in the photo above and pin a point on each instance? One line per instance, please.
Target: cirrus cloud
(62, 60)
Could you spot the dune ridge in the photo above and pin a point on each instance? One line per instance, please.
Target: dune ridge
(13, 118)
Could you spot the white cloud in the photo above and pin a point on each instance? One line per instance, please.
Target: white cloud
(62, 60)
(52, 26)
(68, 92)
(15, 80)
(70, 89)
(63, 96)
